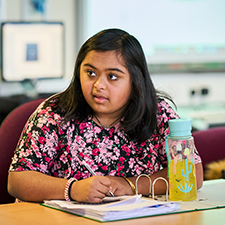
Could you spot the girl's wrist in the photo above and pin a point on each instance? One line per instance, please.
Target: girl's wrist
(132, 186)
(67, 190)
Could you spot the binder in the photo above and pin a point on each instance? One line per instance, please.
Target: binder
(210, 196)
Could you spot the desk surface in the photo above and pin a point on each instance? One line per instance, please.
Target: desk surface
(33, 213)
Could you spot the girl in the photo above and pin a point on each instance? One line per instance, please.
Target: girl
(110, 116)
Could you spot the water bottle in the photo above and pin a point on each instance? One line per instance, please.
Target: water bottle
(181, 167)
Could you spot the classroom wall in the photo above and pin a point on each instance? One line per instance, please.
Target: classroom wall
(179, 86)
(189, 89)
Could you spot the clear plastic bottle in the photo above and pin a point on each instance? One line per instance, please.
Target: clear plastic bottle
(181, 167)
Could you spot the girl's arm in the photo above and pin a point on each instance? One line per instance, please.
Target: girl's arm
(36, 187)
(199, 175)
(121, 187)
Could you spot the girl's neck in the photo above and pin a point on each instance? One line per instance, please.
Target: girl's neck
(106, 122)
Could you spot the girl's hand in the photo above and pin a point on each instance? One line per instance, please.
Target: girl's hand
(91, 190)
(119, 186)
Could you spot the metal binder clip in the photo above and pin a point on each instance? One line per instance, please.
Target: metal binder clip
(150, 183)
(167, 187)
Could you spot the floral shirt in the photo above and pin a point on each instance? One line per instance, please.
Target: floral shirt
(50, 147)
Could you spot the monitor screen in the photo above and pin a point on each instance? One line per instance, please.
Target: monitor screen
(32, 50)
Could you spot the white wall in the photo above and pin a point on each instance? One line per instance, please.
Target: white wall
(179, 86)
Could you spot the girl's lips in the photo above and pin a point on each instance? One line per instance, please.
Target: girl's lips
(100, 99)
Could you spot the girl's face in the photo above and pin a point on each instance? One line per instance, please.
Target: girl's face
(105, 83)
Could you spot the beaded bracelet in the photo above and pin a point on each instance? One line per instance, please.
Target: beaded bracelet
(69, 183)
(131, 185)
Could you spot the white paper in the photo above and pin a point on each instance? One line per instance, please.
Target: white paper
(126, 207)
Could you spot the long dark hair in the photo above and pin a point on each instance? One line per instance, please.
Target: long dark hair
(140, 115)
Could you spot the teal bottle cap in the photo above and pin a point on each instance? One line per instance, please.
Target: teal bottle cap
(180, 127)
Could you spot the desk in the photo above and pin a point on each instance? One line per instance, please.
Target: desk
(33, 213)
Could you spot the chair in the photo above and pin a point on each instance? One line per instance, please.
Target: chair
(210, 144)
(10, 131)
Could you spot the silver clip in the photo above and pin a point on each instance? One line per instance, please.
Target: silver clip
(150, 183)
(167, 187)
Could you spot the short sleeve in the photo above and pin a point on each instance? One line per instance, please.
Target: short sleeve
(38, 143)
(165, 113)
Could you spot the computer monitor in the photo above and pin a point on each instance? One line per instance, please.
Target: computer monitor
(32, 50)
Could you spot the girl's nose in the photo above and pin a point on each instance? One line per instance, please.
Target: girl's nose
(100, 83)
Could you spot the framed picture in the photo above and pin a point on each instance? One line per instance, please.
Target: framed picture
(32, 50)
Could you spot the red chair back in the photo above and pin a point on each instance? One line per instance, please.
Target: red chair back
(10, 132)
(210, 144)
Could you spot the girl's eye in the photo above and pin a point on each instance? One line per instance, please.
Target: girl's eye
(113, 77)
(91, 73)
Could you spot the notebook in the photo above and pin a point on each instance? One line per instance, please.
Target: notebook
(115, 208)
(210, 196)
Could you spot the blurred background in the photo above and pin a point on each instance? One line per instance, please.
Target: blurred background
(183, 40)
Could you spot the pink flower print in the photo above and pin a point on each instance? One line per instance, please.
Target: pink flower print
(120, 167)
(94, 166)
(156, 167)
(41, 122)
(38, 154)
(41, 140)
(111, 132)
(117, 151)
(149, 165)
(68, 149)
(56, 116)
(126, 149)
(78, 139)
(78, 175)
(43, 111)
(22, 160)
(89, 140)
(63, 158)
(97, 130)
(137, 169)
(81, 155)
(34, 135)
(131, 162)
(116, 140)
(95, 151)
(103, 147)
(121, 160)
(70, 131)
(27, 153)
(57, 165)
(43, 168)
(82, 127)
(105, 139)
(110, 144)
(105, 167)
(114, 157)
(61, 131)
(112, 173)
(55, 174)
(60, 145)
(95, 141)
(44, 128)
(88, 135)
